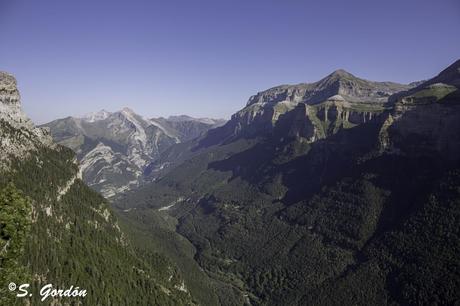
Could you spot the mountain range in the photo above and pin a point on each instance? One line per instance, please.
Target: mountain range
(311, 111)
(339, 192)
(114, 149)
(55, 230)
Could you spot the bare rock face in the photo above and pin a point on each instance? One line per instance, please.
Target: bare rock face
(340, 100)
(425, 120)
(428, 128)
(340, 82)
(299, 123)
(18, 135)
(9, 93)
(10, 102)
(115, 148)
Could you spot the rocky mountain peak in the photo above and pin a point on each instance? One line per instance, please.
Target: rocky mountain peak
(21, 136)
(339, 82)
(340, 95)
(104, 114)
(10, 102)
(96, 116)
(340, 73)
(127, 110)
(9, 93)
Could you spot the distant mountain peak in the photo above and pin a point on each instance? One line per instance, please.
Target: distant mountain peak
(127, 110)
(102, 114)
(185, 118)
(96, 116)
(180, 118)
(114, 148)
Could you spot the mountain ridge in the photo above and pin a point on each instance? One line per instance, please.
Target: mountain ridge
(337, 82)
(115, 148)
(357, 216)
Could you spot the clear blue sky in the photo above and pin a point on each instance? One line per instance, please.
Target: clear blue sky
(205, 58)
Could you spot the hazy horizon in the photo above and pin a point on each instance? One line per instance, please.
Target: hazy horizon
(206, 59)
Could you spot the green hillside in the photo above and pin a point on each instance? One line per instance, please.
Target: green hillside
(367, 215)
(56, 230)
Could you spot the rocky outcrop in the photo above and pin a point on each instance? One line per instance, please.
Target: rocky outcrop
(10, 103)
(18, 135)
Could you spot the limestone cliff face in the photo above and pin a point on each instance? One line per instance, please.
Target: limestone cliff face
(18, 135)
(337, 101)
(299, 123)
(340, 82)
(345, 114)
(258, 118)
(339, 111)
(327, 118)
(10, 102)
(314, 122)
(425, 120)
(422, 129)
